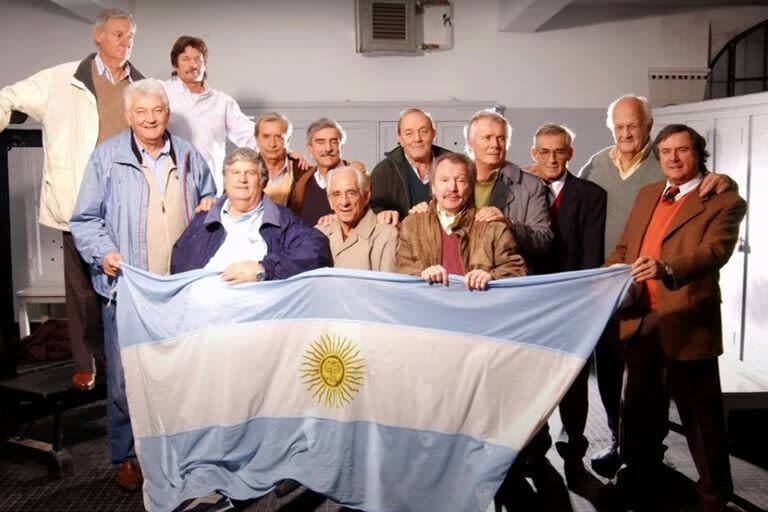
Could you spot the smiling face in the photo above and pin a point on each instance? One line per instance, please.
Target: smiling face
(325, 147)
(678, 158)
(631, 130)
(348, 202)
(416, 135)
(190, 65)
(148, 118)
(488, 142)
(552, 154)
(243, 184)
(451, 186)
(115, 39)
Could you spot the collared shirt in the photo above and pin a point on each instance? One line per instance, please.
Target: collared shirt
(207, 120)
(425, 179)
(634, 164)
(447, 220)
(280, 175)
(321, 180)
(158, 165)
(556, 186)
(243, 241)
(685, 187)
(484, 190)
(104, 71)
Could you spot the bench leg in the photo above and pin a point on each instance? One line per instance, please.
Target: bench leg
(24, 329)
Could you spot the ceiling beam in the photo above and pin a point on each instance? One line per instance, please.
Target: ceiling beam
(527, 15)
(89, 9)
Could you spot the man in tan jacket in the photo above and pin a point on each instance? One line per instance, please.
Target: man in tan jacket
(676, 241)
(447, 240)
(356, 237)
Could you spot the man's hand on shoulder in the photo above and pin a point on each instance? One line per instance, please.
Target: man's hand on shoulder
(303, 162)
(243, 272)
(206, 204)
(422, 207)
(489, 214)
(391, 217)
(715, 183)
(325, 220)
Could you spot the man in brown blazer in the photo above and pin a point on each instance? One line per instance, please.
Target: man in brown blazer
(676, 241)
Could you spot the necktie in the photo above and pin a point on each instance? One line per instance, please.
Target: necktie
(670, 194)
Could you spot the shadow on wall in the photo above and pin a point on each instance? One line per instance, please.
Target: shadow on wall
(581, 16)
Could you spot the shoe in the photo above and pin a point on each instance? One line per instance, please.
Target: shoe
(128, 476)
(83, 381)
(286, 487)
(214, 502)
(607, 462)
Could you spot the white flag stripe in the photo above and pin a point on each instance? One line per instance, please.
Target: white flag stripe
(452, 383)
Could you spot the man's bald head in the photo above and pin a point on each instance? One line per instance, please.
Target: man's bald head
(630, 120)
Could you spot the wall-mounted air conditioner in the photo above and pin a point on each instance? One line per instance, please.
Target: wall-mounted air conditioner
(386, 26)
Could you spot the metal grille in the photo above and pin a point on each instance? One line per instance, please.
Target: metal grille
(389, 21)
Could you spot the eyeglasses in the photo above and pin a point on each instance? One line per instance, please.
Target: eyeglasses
(559, 153)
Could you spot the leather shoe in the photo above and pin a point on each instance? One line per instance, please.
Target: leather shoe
(128, 476)
(607, 462)
(286, 487)
(83, 381)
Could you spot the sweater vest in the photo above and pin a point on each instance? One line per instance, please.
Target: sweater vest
(621, 194)
(109, 100)
(166, 218)
(663, 215)
(315, 203)
(451, 256)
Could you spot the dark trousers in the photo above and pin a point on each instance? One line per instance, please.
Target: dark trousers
(695, 386)
(574, 407)
(609, 366)
(83, 310)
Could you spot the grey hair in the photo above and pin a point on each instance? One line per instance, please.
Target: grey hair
(247, 155)
(108, 14)
(363, 182)
(554, 129)
(275, 116)
(487, 113)
(646, 105)
(323, 123)
(147, 87)
(414, 110)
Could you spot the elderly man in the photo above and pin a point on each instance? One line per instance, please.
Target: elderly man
(401, 180)
(447, 239)
(140, 190)
(246, 236)
(577, 211)
(79, 105)
(676, 242)
(201, 114)
(357, 239)
(325, 141)
(273, 134)
(503, 191)
(622, 170)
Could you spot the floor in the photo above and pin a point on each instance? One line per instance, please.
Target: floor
(24, 485)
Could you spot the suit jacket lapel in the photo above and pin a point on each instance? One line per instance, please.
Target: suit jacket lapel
(690, 208)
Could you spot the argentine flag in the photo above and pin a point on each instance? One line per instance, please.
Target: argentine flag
(377, 390)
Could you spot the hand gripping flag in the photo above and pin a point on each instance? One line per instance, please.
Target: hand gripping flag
(374, 389)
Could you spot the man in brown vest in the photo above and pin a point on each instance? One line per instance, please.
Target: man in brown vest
(79, 104)
(676, 241)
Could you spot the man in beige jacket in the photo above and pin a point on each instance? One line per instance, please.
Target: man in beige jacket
(356, 237)
(79, 105)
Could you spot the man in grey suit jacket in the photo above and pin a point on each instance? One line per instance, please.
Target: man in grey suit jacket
(504, 191)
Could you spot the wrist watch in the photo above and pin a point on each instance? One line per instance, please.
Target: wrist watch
(667, 269)
(261, 275)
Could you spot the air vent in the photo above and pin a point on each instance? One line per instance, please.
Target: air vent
(386, 26)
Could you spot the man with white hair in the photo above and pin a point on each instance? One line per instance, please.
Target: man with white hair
(140, 190)
(504, 192)
(356, 237)
(79, 105)
(622, 170)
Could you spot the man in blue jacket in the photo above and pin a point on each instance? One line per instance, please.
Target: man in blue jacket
(246, 236)
(140, 190)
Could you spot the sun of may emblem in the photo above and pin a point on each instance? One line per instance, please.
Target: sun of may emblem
(333, 370)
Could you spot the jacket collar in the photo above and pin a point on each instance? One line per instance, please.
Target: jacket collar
(364, 228)
(504, 191)
(83, 73)
(271, 212)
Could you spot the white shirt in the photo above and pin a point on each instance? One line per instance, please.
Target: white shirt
(320, 179)
(280, 175)
(104, 71)
(557, 185)
(446, 220)
(243, 241)
(416, 170)
(685, 187)
(207, 120)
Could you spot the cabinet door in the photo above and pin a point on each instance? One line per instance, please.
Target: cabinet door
(450, 135)
(730, 156)
(387, 138)
(756, 321)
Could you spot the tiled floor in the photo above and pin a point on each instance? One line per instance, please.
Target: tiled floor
(24, 485)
